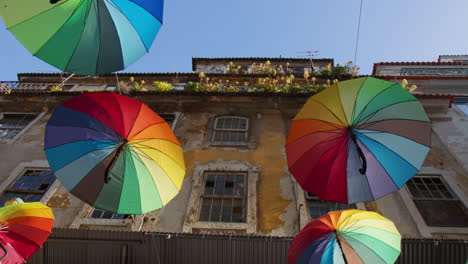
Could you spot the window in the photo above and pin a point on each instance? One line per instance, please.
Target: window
(169, 118)
(318, 207)
(224, 198)
(30, 186)
(101, 214)
(12, 123)
(463, 108)
(430, 194)
(231, 129)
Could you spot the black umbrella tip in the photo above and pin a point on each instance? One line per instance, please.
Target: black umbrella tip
(54, 1)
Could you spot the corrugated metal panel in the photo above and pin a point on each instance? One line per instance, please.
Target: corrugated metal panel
(89, 246)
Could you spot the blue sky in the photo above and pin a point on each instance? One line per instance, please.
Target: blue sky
(396, 30)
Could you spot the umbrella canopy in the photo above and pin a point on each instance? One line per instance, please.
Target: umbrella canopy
(114, 153)
(24, 227)
(358, 140)
(89, 37)
(348, 236)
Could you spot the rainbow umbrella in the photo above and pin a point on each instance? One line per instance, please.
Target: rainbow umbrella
(114, 153)
(89, 37)
(24, 227)
(358, 140)
(348, 236)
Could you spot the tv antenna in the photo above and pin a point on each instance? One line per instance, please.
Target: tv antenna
(310, 54)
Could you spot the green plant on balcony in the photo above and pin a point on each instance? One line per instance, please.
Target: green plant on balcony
(406, 86)
(163, 86)
(5, 89)
(56, 88)
(314, 89)
(233, 68)
(192, 86)
(136, 86)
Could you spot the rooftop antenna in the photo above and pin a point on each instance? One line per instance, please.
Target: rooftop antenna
(310, 54)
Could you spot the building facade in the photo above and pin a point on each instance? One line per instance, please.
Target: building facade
(232, 117)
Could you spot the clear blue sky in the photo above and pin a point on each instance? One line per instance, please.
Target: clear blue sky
(396, 30)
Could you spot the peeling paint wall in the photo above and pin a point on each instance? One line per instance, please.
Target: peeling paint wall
(277, 212)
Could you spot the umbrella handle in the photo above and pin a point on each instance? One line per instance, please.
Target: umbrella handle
(361, 155)
(112, 163)
(4, 250)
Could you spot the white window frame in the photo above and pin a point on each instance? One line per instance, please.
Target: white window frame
(21, 169)
(192, 215)
(222, 143)
(423, 228)
(83, 218)
(316, 198)
(177, 117)
(222, 197)
(301, 204)
(39, 115)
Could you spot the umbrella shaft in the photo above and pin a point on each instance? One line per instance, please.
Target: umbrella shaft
(341, 247)
(361, 154)
(111, 164)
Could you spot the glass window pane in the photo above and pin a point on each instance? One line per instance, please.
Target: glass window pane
(218, 206)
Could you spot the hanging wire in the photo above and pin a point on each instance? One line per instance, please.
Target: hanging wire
(357, 41)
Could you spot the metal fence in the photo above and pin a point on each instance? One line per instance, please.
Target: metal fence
(70, 246)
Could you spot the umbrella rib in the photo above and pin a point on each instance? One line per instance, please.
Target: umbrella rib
(378, 255)
(110, 137)
(98, 18)
(365, 176)
(383, 167)
(139, 141)
(170, 179)
(149, 13)
(134, 153)
(391, 149)
(106, 110)
(86, 140)
(372, 99)
(322, 142)
(341, 105)
(353, 228)
(123, 180)
(370, 131)
(362, 121)
(147, 147)
(342, 143)
(79, 157)
(147, 127)
(329, 110)
(81, 34)
(137, 179)
(355, 101)
(38, 14)
(338, 143)
(133, 26)
(134, 121)
(325, 132)
(384, 131)
(321, 120)
(60, 28)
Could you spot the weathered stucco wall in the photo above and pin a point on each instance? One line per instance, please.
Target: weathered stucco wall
(270, 117)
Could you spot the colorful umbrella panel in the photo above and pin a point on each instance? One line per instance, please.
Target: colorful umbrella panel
(89, 37)
(348, 236)
(114, 153)
(358, 140)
